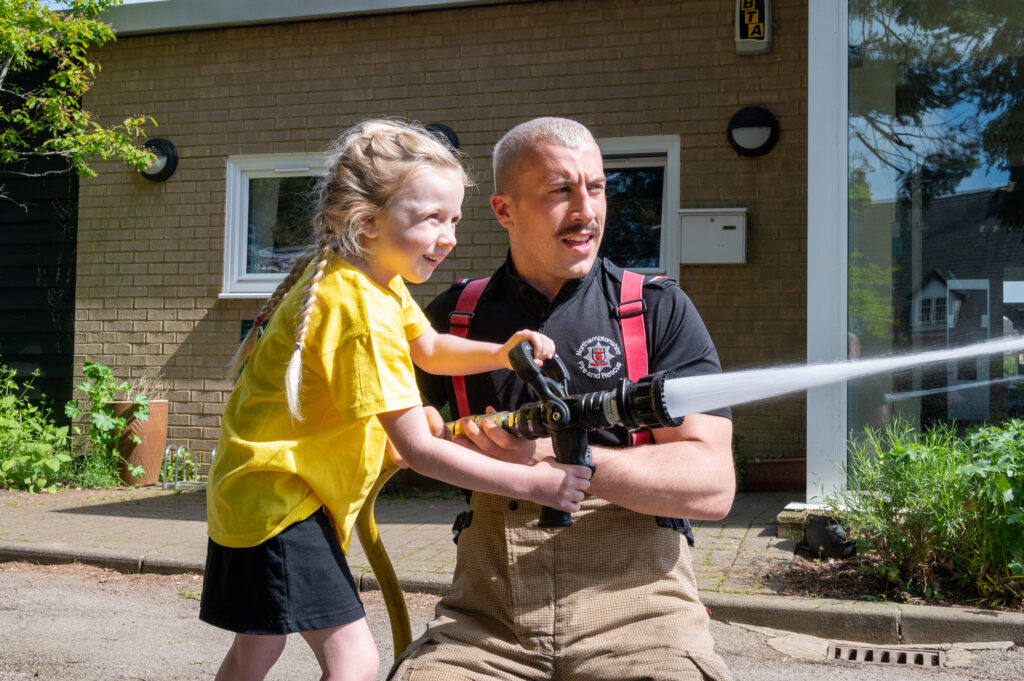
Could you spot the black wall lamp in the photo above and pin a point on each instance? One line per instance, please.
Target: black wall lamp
(444, 133)
(166, 159)
(753, 131)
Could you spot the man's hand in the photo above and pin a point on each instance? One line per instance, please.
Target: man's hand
(497, 443)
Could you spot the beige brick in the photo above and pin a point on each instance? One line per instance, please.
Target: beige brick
(625, 68)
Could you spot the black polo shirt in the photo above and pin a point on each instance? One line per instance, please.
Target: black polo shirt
(582, 322)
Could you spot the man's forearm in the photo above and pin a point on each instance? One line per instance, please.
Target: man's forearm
(687, 473)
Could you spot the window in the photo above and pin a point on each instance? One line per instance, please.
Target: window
(939, 315)
(641, 230)
(267, 219)
(926, 310)
(268, 198)
(915, 119)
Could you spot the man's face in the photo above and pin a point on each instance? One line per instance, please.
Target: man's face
(554, 214)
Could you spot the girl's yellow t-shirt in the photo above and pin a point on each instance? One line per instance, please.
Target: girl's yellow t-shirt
(271, 471)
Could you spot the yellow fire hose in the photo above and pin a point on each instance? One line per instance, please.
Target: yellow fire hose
(394, 599)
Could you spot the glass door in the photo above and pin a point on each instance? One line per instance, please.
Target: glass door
(935, 205)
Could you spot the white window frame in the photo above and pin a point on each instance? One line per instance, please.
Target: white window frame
(238, 283)
(651, 150)
(827, 233)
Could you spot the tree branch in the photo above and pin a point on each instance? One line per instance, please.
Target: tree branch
(6, 67)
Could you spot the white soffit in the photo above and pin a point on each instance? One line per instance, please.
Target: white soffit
(155, 16)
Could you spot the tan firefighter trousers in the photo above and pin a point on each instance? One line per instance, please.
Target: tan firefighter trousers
(613, 597)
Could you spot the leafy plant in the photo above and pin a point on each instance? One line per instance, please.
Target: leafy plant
(181, 467)
(105, 430)
(33, 448)
(935, 504)
(44, 73)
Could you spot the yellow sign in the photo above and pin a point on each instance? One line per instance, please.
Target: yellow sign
(753, 26)
(752, 20)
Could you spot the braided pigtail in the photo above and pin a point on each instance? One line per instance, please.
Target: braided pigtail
(293, 375)
(249, 342)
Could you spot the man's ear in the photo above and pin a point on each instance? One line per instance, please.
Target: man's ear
(501, 206)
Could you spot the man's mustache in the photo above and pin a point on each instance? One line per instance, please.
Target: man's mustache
(592, 229)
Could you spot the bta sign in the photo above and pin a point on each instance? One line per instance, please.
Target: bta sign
(753, 26)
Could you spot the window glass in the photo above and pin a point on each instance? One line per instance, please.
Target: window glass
(635, 195)
(278, 224)
(268, 207)
(936, 205)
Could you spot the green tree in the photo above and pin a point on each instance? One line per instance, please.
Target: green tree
(870, 298)
(44, 72)
(937, 92)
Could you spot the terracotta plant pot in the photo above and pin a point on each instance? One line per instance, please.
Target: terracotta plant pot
(149, 453)
(774, 475)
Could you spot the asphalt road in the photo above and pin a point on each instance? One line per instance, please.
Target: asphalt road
(80, 623)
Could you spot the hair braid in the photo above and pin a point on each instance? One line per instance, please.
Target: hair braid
(293, 376)
(249, 342)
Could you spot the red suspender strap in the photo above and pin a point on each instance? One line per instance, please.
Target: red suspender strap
(634, 335)
(631, 323)
(459, 320)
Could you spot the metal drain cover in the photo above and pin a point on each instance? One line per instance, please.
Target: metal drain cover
(906, 657)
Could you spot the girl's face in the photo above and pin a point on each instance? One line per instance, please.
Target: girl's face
(418, 232)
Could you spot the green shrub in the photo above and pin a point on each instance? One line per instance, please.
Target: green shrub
(997, 477)
(179, 467)
(935, 504)
(34, 450)
(99, 467)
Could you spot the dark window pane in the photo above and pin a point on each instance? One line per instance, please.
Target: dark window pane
(279, 222)
(632, 235)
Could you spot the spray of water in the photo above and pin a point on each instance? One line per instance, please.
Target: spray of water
(913, 394)
(696, 394)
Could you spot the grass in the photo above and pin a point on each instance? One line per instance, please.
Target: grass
(191, 594)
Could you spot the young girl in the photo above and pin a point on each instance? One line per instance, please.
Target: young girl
(329, 383)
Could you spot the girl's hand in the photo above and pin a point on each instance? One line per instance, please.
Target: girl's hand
(543, 347)
(396, 458)
(558, 486)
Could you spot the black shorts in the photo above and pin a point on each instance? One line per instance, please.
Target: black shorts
(295, 581)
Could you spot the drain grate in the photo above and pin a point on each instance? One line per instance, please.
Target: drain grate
(908, 657)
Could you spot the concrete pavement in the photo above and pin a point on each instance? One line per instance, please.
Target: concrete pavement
(154, 530)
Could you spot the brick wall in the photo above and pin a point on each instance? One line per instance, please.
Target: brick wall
(150, 254)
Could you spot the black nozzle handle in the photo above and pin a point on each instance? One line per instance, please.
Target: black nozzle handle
(570, 448)
(521, 358)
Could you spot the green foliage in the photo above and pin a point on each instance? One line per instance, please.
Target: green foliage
(104, 431)
(179, 468)
(33, 448)
(47, 121)
(191, 594)
(939, 504)
(870, 298)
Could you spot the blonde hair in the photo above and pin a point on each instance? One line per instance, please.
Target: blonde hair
(367, 166)
(563, 132)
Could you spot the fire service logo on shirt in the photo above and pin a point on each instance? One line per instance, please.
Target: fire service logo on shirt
(599, 357)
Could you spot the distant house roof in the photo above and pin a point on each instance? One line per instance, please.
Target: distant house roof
(157, 16)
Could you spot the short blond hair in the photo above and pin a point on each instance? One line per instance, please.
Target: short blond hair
(367, 167)
(563, 132)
